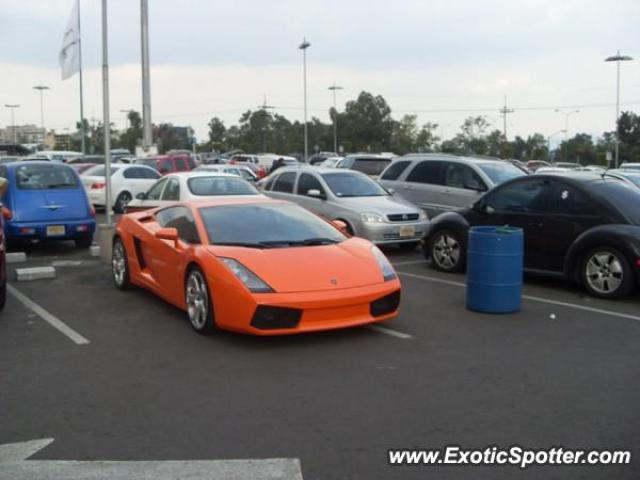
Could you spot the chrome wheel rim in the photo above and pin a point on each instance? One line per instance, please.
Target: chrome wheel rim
(446, 251)
(118, 263)
(604, 272)
(197, 300)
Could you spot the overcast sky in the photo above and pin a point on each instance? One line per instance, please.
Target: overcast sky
(444, 60)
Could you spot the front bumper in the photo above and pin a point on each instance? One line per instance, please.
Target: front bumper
(387, 232)
(38, 230)
(324, 310)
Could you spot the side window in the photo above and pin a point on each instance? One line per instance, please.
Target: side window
(133, 173)
(567, 200)
(172, 192)
(181, 219)
(155, 191)
(462, 176)
(395, 170)
(181, 164)
(191, 162)
(149, 174)
(529, 196)
(270, 182)
(164, 166)
(308, 182)
(285, 182)
(427, 171)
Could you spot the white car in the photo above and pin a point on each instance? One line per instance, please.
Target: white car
(127, 181)
(184, 186)
(238, 170)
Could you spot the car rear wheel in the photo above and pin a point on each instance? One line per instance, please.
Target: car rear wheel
(606, 273)
(121, 202)
(120, 265)
(84, 241)
(199, 304)
(447, 251)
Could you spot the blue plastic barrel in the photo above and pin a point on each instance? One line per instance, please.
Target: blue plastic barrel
(494, 269)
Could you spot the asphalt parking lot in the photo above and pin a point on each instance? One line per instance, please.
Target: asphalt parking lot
(562, 372)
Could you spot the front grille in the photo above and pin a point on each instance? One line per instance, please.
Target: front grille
(273, 318)
(385, 305)
(403, 217)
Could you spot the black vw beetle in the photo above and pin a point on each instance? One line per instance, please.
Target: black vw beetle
(581, 225)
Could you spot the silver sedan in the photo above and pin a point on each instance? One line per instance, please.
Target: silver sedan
(368, 210)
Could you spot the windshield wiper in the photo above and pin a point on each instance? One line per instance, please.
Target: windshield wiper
(244, 244)
(315, 241)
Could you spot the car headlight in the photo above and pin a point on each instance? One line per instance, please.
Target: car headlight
(254, 283)
(388, 273)
(423, 215)
(369, 217)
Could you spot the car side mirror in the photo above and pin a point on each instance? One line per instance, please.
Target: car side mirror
(141, 196)
(170, 234)
(342, 226)
(315, 193)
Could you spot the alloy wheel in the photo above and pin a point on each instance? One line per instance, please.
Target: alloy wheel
(197, 300)
(118, 264)
(604, 272)
(446, 251)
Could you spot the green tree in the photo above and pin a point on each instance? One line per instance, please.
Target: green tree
(217, 134)
(366, 124)
(629, 131)
(133, 134)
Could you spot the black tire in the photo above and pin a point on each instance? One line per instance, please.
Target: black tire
(408, 246)
(605, 272)
(198, 296)
(447, 250)
(120, 265)
(83, 241)
(121, 202)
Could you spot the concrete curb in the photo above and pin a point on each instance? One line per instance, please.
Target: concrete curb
(35, 273)
(16, 257)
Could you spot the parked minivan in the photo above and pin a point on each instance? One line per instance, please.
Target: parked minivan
(46, 201)
(438, 182)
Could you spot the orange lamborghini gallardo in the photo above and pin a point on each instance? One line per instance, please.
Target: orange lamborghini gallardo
(258, 266)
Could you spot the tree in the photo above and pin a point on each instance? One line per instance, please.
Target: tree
(366, 124)
(217, 134)
(132, 136)
(629, 132)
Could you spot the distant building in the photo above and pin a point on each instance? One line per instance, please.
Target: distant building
(23, 134)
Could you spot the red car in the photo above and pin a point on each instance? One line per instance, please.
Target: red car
(250, 161)
(171, 163)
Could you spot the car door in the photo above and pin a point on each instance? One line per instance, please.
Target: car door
(317, 204)
(166, 259)
(463, 186)
(520, 204)
(424, 185)
(283, 185)
(571, 211)
(138, 179)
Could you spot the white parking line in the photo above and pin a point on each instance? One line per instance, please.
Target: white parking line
(408, 262)
(533, 298)
(52, 320)
(388, 331)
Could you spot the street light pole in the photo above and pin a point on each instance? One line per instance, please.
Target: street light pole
(549, 143)
(13, 120)
(333, 88)
(303, 46)
(41, 89)
(618, 58)
(105, 113)
(147, 139)
(566, 114)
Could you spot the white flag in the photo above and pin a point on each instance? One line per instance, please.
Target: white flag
(69, 57)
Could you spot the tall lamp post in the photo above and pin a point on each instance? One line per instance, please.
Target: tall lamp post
(334, 88)
(549, 143)
(13, 119)
(567, 114)
(41, 89)
(618, 58)
(303, 46)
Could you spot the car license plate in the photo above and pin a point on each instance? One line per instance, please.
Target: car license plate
(55, 230)
(407, 231)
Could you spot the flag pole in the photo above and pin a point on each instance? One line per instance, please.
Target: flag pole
(82, 129)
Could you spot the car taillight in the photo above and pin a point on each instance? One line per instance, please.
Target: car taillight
(6, 213)
(97, 185)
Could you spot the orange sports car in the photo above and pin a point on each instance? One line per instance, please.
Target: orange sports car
(255, 265)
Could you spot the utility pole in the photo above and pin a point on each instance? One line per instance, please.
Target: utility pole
(265, 111)
(333, 88)
(147, 139)
(41, 89)
(303, 46)
(618, 58)
(504, 111)
(13, 120)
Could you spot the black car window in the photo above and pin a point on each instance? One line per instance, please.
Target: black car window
(139, 173)
(285, 182)
(462, 176)
(568, 200)
(208, 186)
(427, 171)
(370, 166)
(269, 184)
(182, 220)
(395, 170)
(172, 192)
(155, 191)
(520, 197)
(309, 182)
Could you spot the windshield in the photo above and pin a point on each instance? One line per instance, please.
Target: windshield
(370, 166)
(625, 197)
(633, 177)
(344, 184)
(208, 186)
(500, 172)
(99, 171)
(267, 226)
(44, 177)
